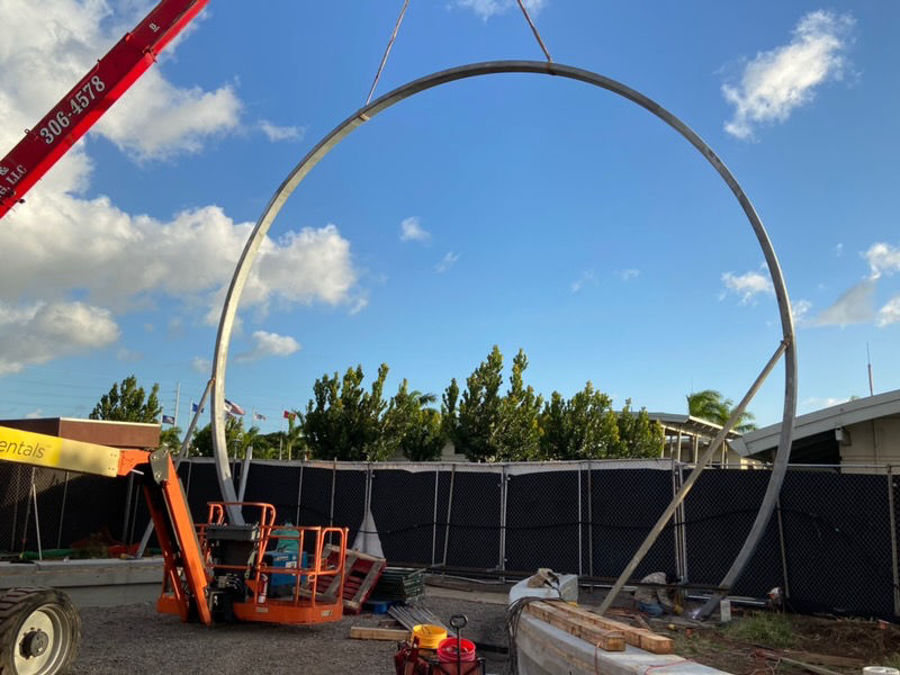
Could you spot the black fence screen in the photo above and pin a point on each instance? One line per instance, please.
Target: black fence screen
(831, 544)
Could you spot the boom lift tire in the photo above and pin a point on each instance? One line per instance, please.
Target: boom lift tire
(40, 631)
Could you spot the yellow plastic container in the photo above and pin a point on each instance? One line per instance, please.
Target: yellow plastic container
(429, 635)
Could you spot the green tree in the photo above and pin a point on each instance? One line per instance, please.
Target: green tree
(127, 402)
(584, 427)
(639, 436)
(711, 406)
(519, 434)
(345, 421)
(412, 427)
(203, 444)
(479, 411)
(171, 438)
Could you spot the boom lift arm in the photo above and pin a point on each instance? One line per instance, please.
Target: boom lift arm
(81, 107)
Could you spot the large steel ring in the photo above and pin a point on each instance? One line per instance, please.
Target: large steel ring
(341, 131)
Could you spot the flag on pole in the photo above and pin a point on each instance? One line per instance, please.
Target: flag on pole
(259, 416)
(168, 419)
(233, 408)
(194, 407)
(288, 415)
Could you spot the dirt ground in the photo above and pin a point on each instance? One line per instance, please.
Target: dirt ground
(135, 639)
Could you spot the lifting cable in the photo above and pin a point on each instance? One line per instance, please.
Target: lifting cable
(387, 51)
(390, 44)
(537, 35)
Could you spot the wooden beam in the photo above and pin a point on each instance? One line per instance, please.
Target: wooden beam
(367, 633)
(557, 615)
(636, 637)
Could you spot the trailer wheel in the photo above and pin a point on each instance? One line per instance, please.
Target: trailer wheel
(40, 631)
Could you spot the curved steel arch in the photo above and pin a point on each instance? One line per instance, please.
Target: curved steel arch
(341, 131)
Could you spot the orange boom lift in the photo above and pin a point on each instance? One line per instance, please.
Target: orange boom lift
(214, 572)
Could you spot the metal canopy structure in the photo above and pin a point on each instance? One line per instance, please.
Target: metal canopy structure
(785, 348)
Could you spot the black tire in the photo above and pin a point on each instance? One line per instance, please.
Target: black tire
(40, 631)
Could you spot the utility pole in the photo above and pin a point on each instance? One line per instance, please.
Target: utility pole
(871, 381)
(177, 400)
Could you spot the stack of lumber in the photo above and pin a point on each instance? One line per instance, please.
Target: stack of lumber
(400, 584)
(411, 616)
(608, 634)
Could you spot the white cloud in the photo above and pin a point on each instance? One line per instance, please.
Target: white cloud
(268, 344)
(586, 277)
(488, 8)
(128, 356)
(747, 285)
(125, 261)
(629, 274)
(277, 133)
(818, 403)
(201, 365)
(411, 230)
(856, 305)
(890, 313)
(448, 261)
(157, 120)
(883, 259)
(839, 250)
(35, 414)
(40, 332)
(778, 81)
(800, 311)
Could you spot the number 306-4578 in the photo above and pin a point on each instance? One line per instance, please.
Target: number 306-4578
(79, 103)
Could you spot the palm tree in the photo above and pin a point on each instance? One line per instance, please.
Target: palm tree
(711, 406)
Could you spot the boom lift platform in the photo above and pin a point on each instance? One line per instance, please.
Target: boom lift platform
(214, 572)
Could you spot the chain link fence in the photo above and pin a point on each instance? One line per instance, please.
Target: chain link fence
(832, 544)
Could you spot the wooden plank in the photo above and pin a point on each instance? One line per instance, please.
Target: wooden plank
(367, 633)
(636, 637)
(611, 641)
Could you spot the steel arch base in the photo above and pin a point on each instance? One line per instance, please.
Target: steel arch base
(357, 119)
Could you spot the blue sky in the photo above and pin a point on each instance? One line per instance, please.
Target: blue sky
(517, 210)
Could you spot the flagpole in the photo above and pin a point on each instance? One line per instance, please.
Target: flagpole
(177, 401)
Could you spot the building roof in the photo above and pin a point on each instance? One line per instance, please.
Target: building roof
(827, 419)
(691, 425)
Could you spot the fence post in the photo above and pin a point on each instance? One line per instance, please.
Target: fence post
(128, 496)
(590, 519)
(784, 565)
(437, 474)
(299, 494)
(62, 511)
(580, 526)
(503, 485)
(893, 522)
(333, 485)
(682, 528)
(449, 510)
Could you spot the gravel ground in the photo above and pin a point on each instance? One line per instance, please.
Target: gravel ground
(136, 639)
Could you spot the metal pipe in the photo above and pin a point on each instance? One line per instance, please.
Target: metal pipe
(503, 493)
(773, 489)
(245, 471)
(357, 119)
(333, 486)
(689, 483)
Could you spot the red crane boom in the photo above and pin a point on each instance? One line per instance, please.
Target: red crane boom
(79, 109)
